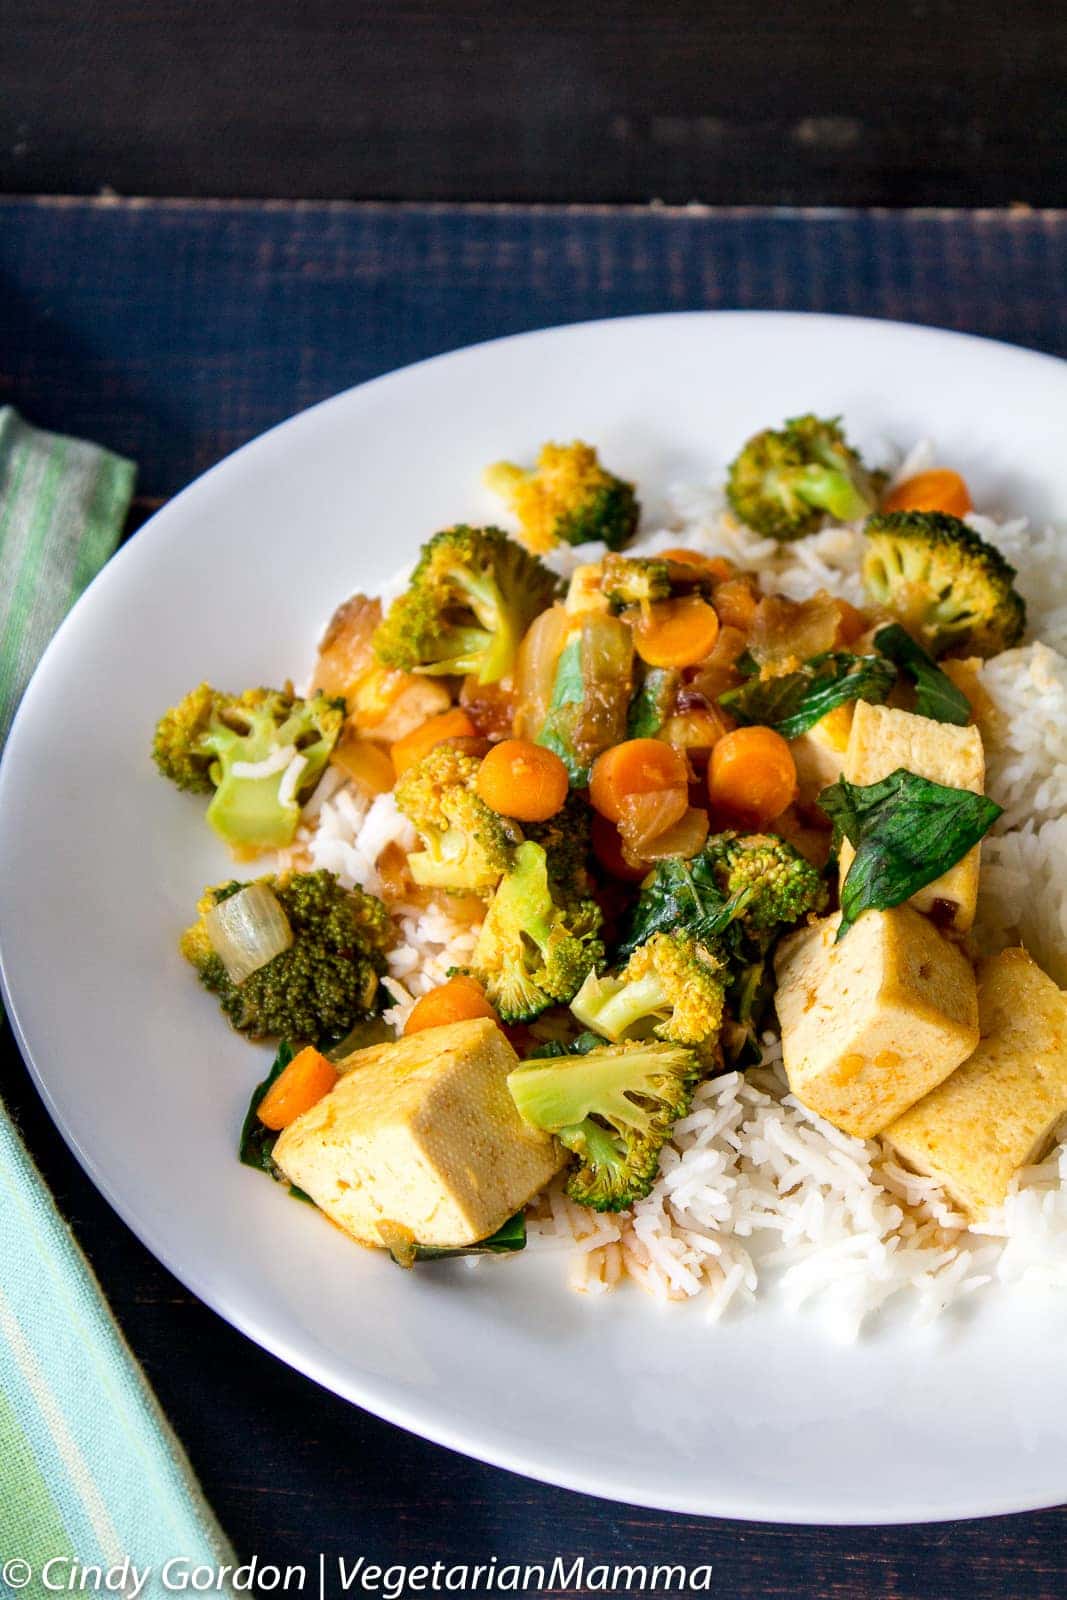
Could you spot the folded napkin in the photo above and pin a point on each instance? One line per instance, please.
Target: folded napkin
(90, 1472)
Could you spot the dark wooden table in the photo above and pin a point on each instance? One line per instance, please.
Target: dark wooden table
(173, 332)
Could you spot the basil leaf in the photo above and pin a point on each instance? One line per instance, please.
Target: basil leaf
(509, 1237)
(906, 831)
(796, 701)
(936, 695)
(679, 894)
(652, 703)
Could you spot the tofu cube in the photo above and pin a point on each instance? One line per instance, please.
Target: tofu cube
(872, 1024)
(998, 1112)
(883, 739)
(421, 1137)
(819, 754)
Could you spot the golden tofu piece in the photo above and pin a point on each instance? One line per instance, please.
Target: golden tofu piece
(999, 1110)
(421, 1138)
(883, 739)
(872, 1024)
(819, 754)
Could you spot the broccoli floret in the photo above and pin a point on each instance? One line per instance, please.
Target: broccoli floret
(471, 598)
(786, 479)
(767, 883)
(568, 498)
(199, 742)
(566, 841)
(615, 1108)
(467, 846)
(672, 988)
(635, 580)
(943, 582)
(532, 949)
(323, 984)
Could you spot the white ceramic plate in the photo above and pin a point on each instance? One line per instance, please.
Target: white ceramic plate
(759, 1418)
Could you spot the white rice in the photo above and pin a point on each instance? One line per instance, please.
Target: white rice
(756, 1193)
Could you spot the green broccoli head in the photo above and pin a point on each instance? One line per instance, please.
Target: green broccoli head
(614, 1107)
(471, 598)
(466, 845)
(785, 480)
(568, 498)
(566, 841)
(534, 950)
(766, 882)
(672, 988)
(635, 580)
(326, 981)
(209, 742)
(943, 582)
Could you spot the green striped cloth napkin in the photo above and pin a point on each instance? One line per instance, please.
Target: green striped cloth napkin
(90, 1473)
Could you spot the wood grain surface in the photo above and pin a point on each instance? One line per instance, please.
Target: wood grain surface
(721, 101)
(175, 332)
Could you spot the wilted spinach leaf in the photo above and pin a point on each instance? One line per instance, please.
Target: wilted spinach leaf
(509, 1237)
(652, 703)
(680, 894)
(256, 1145)
(906, 831)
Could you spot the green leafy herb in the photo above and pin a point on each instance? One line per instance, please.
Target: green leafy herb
(552, 1049)
(652, 703)
(509, 1237)
(568, 690)
(936, 695)
(680, 894)
(256, 1145)
(795, 701)
(906, 831)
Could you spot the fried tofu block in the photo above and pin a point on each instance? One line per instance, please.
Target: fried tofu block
(819, 754)
(998, 1112)
(872, 1024)
(883, 739)
(420, 1138)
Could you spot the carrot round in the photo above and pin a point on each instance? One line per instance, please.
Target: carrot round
(522, 780)
(717, 568)
(676, 633)
(297, 1088)
(637, 766)
(459, 1000)
(752, 777)
(940, 489)
(454, 724)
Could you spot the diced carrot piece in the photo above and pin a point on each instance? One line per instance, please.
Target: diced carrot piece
(523, 780)
(752, 776)
(459, 1000)
(940, 489)
(637, 766)
(454, 724)
(297, 1088)
(676, 633)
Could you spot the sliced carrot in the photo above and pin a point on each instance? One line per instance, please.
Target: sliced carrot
(454, 724)
(297, 1088)
(752, 776)
(637, 766)
(459, 1000)
(940, 489)
(676, 633)
(365, 763)
(607, 847)
(736, 601)
(523, 780)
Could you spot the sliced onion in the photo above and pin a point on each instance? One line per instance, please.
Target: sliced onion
(685, 839)
(247, 930)
(536, 668)
(645, 816)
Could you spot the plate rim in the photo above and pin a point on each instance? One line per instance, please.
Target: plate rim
(371, 1394)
